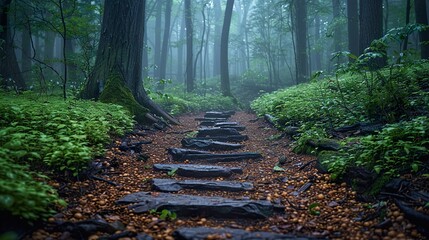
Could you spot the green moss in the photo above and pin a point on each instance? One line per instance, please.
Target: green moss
(378, 184)
(117, 93)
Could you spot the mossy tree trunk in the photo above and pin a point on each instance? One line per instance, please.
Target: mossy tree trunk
(224, 70)
(120, 54)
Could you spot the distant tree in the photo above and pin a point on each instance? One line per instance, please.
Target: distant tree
(10, 74)
(336, 11)
(165, 42)
(421, 18)
(120, 54)
(371, 27)
(301, 41)
(217, 36)
(189, 47)
(224, 71)
(353, 27)
(158, 40)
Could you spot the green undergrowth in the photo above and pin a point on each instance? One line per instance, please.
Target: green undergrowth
(51, 136)
(193, 103)
(396, 96)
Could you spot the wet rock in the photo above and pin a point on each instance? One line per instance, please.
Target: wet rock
(83, 229)
(215, 114)
(181, 154)
(209, 144)
(232, 138)
(202, 233)
(211, 119)
(215, 132)
(198, 171)
(188, 205)
(325, 144)
(224, 124)
(171, 185)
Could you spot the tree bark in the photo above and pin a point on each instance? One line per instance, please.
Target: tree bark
(120, 53)
(165, 41)
(371, 27)
(10, 74)
(353, 27)
(157, 49)
(217, 37)
(224, 71)
(421, 18)
(301, 41)
(189, 47)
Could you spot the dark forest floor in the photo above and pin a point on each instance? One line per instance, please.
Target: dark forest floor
(339, 211)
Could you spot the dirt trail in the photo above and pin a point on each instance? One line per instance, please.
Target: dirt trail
(323, 210)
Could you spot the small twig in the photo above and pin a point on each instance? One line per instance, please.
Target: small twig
(104, 180)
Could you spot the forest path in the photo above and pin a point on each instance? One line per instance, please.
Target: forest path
(313, 206)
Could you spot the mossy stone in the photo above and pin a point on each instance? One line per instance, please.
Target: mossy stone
(116, 92)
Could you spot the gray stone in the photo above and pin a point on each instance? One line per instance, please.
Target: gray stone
(231, 138)
(198, 171)
(181, 154)
(201, 233)
(189, 205)
(171, 185)
(215, 114)
(209, 144)
(215, 132)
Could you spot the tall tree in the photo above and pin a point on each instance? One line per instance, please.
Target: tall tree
(421, 18)
(301, 41)
(189, 47)
(165, 41)
(119, 56)
(224, 71)
(336, 11)
(157, 49)
(217, 36)
(10, 74)
(371, 27)
(353, 27)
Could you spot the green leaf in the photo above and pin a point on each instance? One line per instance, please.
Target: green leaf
(276, 168)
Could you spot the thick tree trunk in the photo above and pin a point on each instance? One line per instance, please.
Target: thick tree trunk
(26, 54)
(353, 27)
(10, 74)
(301, 41)
(189, 47)
(120, 53)
(421, 18)
(224, 71)
(371, 27)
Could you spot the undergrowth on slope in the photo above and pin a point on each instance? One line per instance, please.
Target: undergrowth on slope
(396, 96)
(52, 136)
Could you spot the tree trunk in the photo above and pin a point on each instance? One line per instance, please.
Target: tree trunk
(10, 74)
(337, 28)
(301, 41)
(224, 71)
(26, 53)
(217, 37)
(421, 18)
(119, 55)
(157, 49)
(371, 27)
(189, 47)
(407, 21)
(317, 55)
(353, 27)
(165, 41)
(180, 51)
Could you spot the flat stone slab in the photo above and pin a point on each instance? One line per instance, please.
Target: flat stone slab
(216, 114)
(232, 138)
(202, 233)
(209, 144)
(198, 171)
(181, 154)
(171, 185)
(189, 205)
(222, 124)
(211, 119)
(215, 132)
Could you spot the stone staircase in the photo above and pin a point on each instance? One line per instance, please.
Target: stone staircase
(216, 133)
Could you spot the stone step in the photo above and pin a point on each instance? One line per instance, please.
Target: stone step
(216, 114)
(202, 233)
(198, 171)
(203, 119)
(181, 154)
(208, 144)
(216, 132)
(171, 185)
(189, 205)
(231, 138)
